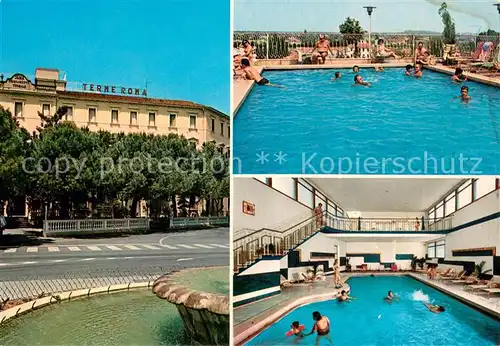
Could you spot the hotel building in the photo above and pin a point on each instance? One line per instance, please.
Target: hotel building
(110, 108)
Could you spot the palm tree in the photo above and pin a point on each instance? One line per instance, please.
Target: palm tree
(478, 269)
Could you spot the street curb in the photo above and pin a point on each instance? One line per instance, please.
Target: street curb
(18, 310)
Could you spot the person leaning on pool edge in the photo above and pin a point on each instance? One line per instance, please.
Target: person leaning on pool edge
(252, 74)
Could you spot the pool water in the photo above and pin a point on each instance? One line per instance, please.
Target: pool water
(369, 320)
(128, 318)
(400, 125)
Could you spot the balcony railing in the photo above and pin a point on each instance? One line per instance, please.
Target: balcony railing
(250, 245)
(281, 45)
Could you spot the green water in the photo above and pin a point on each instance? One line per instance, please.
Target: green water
(205, 280)
(128, 318)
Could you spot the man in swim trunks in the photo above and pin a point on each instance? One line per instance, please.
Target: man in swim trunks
(322, 327)
(419, 53)
(384, 52)
(252, 74)
(322, 47)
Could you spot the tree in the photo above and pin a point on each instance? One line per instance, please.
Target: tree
(351, 30)
(14, 147)
(351, 26)
(449, 25)
(489, 32)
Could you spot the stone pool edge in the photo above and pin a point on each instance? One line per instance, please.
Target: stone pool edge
(39, 303)
(260, 326)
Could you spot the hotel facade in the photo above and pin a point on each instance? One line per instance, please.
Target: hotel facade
(110, 108)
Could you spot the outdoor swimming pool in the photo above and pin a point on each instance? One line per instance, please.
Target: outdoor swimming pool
(318, 126)
(371, 321)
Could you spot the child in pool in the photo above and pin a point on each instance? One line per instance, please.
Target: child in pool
(344, 297)
(391, 297)
(464, 94)
(337, 75)
(296, 330)
(358, 80)
(408, 70)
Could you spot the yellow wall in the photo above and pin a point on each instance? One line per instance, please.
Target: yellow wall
(32, 104)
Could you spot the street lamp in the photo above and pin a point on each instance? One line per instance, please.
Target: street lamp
(498, 9)
(370, 9)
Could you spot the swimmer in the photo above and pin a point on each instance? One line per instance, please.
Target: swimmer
(296, 330)
(408, 70)
(252, 74)
(358, 80)
(390, 297)
(378, 68)
(344, 297)
(459, 76)
(464, 94)
(321, 327)
(434, 308)
(418, 71)
(337, 75)
(355, 69)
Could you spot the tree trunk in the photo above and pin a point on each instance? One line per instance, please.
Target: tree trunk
(133, 208)
(174, 206)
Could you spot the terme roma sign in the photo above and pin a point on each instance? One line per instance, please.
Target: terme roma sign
(112, 89)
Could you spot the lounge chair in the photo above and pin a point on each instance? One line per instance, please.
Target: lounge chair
(482, 284)
(465, 279)
(307, 278)
(454, 277)
(493, 64)
(284, 282)
(296, 277)
(491, 290)
(446, 272)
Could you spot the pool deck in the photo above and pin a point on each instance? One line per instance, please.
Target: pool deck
(251, 319)
(241, 87)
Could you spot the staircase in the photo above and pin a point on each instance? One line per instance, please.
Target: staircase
(251, 245)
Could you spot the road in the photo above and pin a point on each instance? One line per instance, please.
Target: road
(131, 255)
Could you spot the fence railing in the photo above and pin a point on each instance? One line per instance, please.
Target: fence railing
(62, 227)
(292, 45)
(86, 226)
(186, 222)
(252, 245)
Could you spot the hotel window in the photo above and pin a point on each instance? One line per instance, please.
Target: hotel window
(436, 249)
(284, 185)
(484, 185)
(212, 127)
(114, 116)
(152, 119)
(192, 121)
(92, 118)
(46, 109)
(173, 120)
(69, 113)
(305, 196)
(18, 109)
(133, 118)
(465, 194)
(449, 205)
(222, 129)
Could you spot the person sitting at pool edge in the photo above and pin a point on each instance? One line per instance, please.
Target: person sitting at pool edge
(252, 74)
(358, 80)
(384, 52)
(418, 71)
(434, 308)
(408, 70)
(459, 76)
(355, 69)
(322, 327)
(378, 68)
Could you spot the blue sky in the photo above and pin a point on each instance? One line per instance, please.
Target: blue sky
(180, 46)
(389, 16)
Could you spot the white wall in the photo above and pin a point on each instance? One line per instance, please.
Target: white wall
(273, 210)
(486, 234)
(387, 251)
(383, 215)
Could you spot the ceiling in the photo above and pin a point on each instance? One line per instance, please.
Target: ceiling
(401, 194)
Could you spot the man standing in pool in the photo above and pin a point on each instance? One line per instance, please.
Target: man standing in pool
(464, 94)
(322, 327)
(252, 74)
(322, 47)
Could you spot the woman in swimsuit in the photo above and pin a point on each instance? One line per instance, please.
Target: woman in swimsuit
(322, 327)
